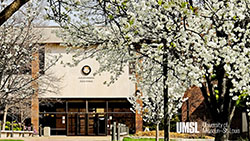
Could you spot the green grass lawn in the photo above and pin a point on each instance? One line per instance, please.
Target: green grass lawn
(9, 140)
(142, 139)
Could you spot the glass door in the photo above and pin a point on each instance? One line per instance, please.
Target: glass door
(76, 119)
(72, 122)
(101, 124)
(76, 124)
(81, 125)
(92, 124)
(96, 118)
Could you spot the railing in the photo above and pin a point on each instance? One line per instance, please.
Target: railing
(119, 130)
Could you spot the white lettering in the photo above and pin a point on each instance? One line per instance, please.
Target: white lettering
(196, 128)
(187, 127)
(178, 127)
(191, 127)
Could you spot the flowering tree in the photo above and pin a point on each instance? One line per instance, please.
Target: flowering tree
(129, 35)
(19, 41)
(177, 43)
(216, 35)
(17, 47)
(151, 95)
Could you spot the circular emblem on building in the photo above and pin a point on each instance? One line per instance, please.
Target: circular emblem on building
(86, 70)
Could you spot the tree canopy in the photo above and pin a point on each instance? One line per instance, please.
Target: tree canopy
(204, 44)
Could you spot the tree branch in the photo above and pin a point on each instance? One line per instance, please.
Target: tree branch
(11, 9)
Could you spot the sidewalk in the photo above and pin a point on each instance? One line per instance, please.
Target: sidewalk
(66, 138)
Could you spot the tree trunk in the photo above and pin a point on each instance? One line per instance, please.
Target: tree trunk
(165, 93)
(224, 136)
(11, 9)
(5, 116)
(248, 126)
(157, 132)
(220, 136)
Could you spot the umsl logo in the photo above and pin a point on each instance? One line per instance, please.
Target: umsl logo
(187, 127)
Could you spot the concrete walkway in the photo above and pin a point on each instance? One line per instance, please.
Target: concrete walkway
(66, 138)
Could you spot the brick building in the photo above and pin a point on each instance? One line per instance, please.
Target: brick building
(84, 105)
(195, 110)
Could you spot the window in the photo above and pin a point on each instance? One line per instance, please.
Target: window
(131, 67)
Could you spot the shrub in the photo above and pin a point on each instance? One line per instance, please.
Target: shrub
(16, 126)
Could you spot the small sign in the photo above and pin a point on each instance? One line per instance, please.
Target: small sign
(84, 79)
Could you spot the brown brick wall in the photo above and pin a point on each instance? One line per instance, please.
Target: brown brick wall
(195, 99)
(35, 102)
(138, 122)
(198, 112)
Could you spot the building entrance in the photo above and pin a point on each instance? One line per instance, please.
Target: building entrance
(97, 124)
(86, 118)
(86, 124)
(76, 124)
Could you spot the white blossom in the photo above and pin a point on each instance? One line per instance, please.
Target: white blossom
(204, 44)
